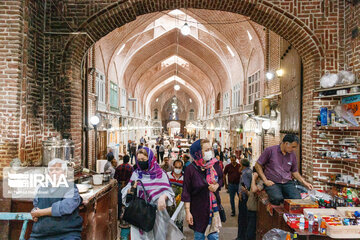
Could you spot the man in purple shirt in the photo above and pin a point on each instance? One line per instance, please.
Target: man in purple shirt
(276, 167)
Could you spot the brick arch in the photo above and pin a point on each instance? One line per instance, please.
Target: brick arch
(263, 12)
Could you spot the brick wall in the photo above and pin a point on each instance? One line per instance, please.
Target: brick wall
(314, 28)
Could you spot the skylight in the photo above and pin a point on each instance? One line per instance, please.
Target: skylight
(174, 59)
(121, 48)
(230, 51)
(249, 35)
(172, 78)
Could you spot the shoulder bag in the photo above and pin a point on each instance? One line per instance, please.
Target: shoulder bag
(140, 212)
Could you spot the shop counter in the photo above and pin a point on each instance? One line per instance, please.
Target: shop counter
(98, 210)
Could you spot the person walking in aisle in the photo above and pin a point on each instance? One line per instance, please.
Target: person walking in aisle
(232, 170)
(157, 185)
(202, 198)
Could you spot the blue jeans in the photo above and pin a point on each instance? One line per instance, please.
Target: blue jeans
(201, 236)
(251, 225)
(242, 218)
(280, 191)
(233, 189)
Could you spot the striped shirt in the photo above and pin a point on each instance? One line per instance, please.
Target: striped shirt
(175, 182)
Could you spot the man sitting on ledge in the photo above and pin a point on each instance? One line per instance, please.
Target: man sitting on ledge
(276, 166)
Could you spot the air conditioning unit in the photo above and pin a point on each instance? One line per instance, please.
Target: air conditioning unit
(262, 107)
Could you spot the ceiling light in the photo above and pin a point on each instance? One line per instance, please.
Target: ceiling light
(280, 72)
(190, 100)
(157, 99)
(177, 87)
(230, 51)
(185, 30)
(269, 75)
(122, 47)
(249, 35)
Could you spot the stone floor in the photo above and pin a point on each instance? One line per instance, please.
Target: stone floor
(229, 229)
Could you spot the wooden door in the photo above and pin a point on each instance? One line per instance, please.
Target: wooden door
(102, 145)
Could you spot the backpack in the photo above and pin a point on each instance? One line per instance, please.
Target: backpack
(161, 148)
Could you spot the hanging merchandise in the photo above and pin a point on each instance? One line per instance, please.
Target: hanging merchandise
(346, 114)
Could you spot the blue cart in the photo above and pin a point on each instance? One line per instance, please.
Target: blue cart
(17, 216)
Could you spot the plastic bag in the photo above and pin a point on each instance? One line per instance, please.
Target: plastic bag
(275, 234)
(346, 114)
(346, 78)
(328, 80)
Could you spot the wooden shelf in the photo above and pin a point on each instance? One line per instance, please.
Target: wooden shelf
(337, 183)
(350, 160)
(336, 88)
(348, 128)
(341, 95)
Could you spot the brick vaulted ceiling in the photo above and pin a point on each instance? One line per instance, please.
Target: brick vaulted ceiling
(134, 54)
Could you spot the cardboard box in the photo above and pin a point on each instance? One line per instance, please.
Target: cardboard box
(298, 205)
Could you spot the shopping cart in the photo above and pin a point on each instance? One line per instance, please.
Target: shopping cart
(18, 216)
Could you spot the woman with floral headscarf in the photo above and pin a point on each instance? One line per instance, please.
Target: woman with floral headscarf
(158, 188)
(201, 206)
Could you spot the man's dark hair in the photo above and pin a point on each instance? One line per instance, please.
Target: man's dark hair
(186, 156)
(126, 159)
(290, 138)
(249, 144)
(233, 156)
(110, 157)
(245, 162)
(178, 160)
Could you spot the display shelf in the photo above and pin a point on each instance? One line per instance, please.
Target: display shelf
(337, 183)
(347, 128)
(336, 144)
(350, 160)
(337, 88)
(340, 95)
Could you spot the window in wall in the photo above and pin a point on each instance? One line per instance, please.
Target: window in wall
(155, 114)
(100, 87)
(218, 99)
(236, 96)
(123, 98)
(253, 87)
(226, 102)
(114, 104)
(191, 115)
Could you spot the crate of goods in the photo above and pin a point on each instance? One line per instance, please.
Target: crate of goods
(320, 212)
(297, 205)
(340, 231)
(347, 211)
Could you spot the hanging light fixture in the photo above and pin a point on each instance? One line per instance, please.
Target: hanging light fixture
(185, 30)
(177, 87)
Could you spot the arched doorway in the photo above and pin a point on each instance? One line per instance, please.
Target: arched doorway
(173, 128)
(290, 27)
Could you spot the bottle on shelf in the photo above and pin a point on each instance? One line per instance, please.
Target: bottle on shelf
(302, 223)
(323, 228)
(288, 236)
(311, 222)
(295, 237)
(316, 225)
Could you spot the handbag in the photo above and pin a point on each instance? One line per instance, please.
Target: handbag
(220, 207)
(140, 212)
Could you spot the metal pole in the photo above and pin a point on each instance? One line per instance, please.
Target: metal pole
(95, 128)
